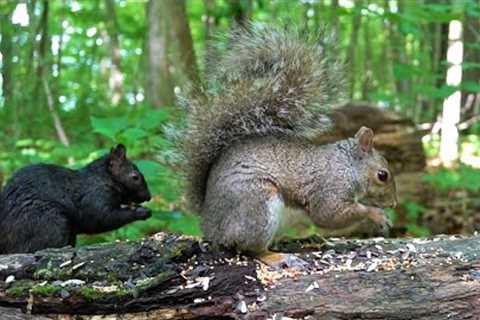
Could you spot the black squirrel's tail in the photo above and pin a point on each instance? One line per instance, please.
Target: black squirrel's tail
(269, 81)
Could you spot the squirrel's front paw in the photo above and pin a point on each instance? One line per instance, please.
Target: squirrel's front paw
(382, 222)
(384, 226)
(143, 213)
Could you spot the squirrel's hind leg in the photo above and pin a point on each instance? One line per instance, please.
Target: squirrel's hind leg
(242, 215)
(245, 217)
(41, 230)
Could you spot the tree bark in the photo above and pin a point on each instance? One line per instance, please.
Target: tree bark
(353, 46)
(471, 76)
(182, 38)
(159, 83)
(452, 105)
(399, 55)
(170, 277)
(116, 76)
(335, 22)
(385, 71)
(10, 99)
(210, 23)
(7, 53)
(367, 63)
(242, 11)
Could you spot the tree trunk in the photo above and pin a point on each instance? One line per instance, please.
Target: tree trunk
(116, 76)
(10, 100)
(169, 277)
(451, 105)
(471, 75)
(210, 24)
(367, 77)
(335, 22)
(242, 11)
(385, 75)
(353, 46)
(399, 56)
(7, 53)
(159, 83)
(182, 39)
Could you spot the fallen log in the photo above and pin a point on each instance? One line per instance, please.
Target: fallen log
(173, 277)
(396, 136)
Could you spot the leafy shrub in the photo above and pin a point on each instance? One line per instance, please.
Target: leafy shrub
(463, 178)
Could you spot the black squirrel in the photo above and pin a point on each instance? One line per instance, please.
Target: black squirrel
(248, 143)
(46, 206)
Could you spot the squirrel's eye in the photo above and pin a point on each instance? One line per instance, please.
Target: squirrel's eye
(382, 175)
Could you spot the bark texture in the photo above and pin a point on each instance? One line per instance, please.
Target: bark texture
(116, 77)
(159, 83)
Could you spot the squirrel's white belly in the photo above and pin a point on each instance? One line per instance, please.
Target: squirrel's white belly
(276, 208)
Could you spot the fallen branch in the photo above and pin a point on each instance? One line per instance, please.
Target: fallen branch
(171, 277)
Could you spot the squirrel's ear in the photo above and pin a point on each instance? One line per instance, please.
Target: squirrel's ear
(119, 153)
(364, 136)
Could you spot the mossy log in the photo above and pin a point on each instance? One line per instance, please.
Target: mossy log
(172, 277)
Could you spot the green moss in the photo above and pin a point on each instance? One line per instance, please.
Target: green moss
(112, 278)
(120, 293)
(20, 288)
(52, 274)
(46, 290)
(51, 271)
(153, 281)
(43, 274)
(178, 250)
(90, 293)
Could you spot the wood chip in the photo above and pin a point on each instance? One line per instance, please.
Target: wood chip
(312, 286)
(10, 279)
(372, 266)
(66, 263)
(242, 307)
(411, 247)
(250, 278)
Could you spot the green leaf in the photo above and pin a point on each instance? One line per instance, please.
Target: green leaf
(148, 167)
(470, 86)
(414, 210)
(109, 127)
(133, 135)
(154, 119)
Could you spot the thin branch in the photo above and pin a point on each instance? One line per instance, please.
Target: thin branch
(62, 135)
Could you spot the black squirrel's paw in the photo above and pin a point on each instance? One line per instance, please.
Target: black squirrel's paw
(143, 213)
(283, 260)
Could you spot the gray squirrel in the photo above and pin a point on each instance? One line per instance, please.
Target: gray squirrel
(46, 206)
(248, 149)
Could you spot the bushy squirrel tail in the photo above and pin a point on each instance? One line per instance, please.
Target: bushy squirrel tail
(268, 81)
